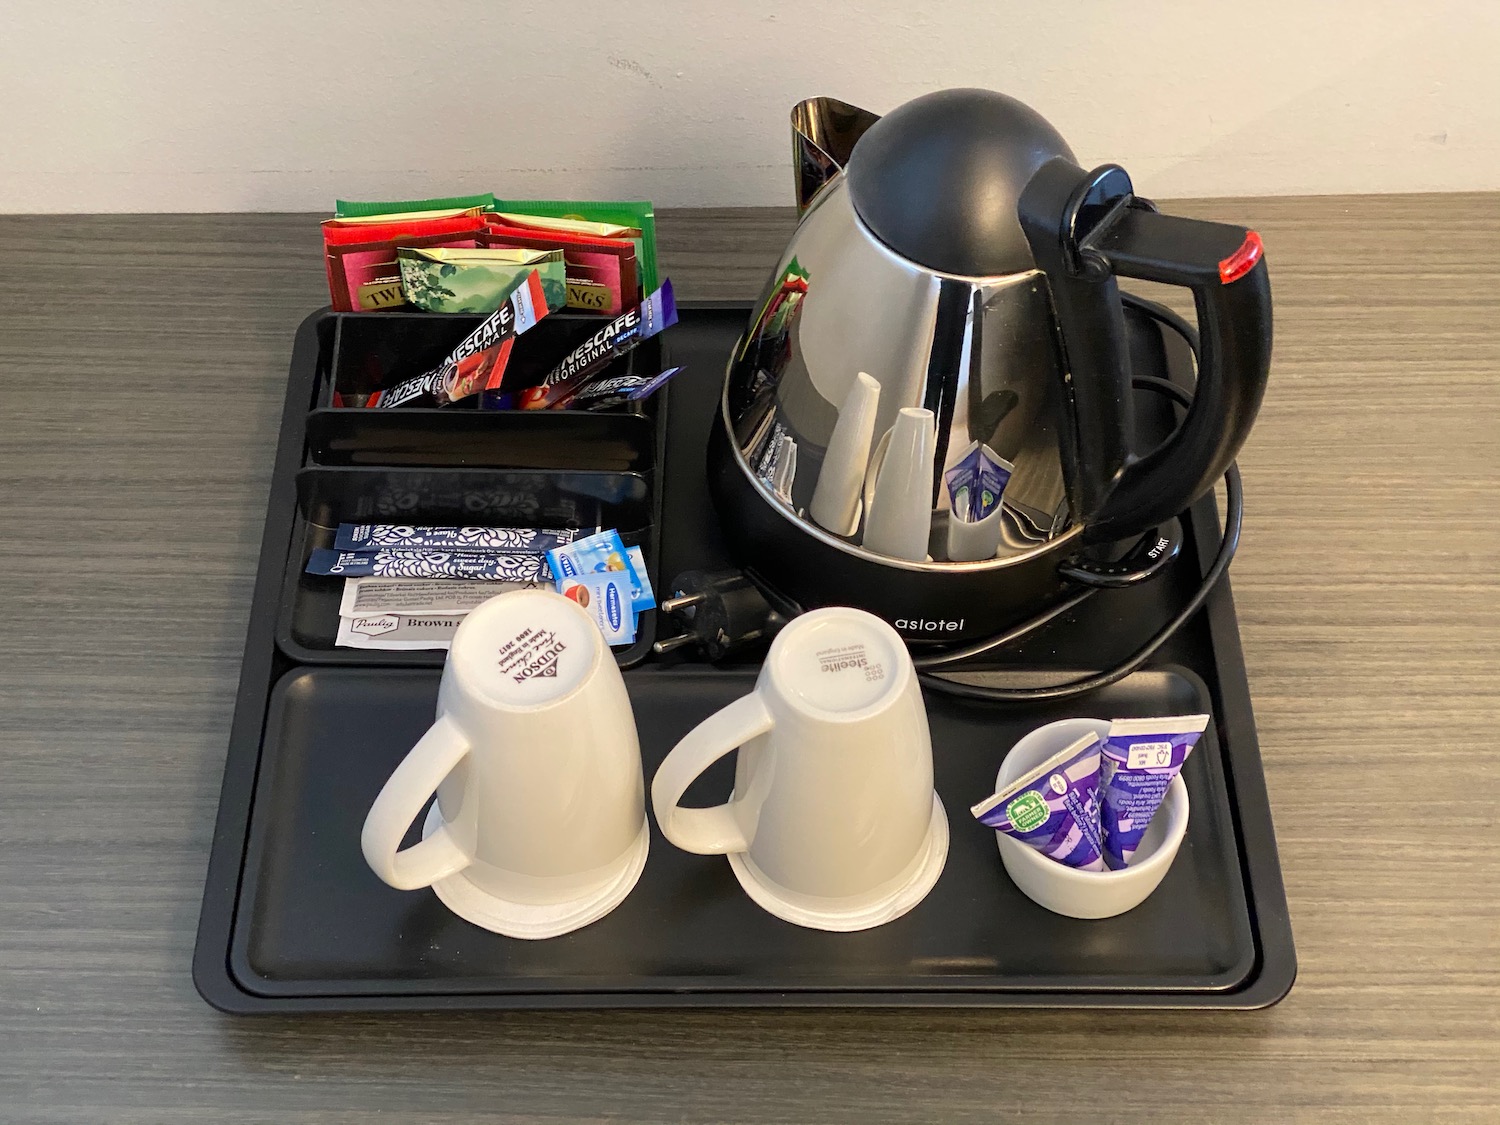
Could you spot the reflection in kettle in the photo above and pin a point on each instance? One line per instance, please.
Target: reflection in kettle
(898, 513)
(784, 469)
(837, 499)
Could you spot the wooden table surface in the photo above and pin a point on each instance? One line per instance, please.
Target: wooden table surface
(142, 361)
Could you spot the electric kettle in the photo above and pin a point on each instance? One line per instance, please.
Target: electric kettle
(952, 282)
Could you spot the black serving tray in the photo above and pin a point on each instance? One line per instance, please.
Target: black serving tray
(292, 919)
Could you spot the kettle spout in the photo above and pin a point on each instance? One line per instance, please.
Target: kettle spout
(823, 134)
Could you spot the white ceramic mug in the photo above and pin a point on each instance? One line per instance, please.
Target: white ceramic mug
(539, 826)
(833, 822)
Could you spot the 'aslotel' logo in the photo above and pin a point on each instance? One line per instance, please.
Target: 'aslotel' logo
(926, 625)
(612, 608)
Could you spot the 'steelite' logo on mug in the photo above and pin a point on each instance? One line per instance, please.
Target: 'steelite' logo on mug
(844, 657)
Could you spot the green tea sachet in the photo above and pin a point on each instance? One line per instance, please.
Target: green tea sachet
(476, 281)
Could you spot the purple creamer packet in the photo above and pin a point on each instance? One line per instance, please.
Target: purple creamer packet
(1055, 807)
(1140, 759)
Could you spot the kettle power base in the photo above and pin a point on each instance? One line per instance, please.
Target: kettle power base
(293, 920)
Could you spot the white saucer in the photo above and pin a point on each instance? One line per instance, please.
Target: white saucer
(530, 920)
(834, 914)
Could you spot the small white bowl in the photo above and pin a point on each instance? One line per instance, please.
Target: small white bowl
(1088, 894)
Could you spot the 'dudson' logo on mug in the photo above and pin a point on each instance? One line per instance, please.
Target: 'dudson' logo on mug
(533, 652)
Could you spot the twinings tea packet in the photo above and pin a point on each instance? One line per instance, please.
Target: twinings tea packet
(478, 280)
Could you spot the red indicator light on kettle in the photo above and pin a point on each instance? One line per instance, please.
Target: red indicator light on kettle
(1243, 260)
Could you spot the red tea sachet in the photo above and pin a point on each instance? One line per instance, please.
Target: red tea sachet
(360, 255)
(602, 273)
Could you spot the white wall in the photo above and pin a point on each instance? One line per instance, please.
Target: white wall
(187, 105)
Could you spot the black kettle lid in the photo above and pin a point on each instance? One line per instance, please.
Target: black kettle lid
(938, 179)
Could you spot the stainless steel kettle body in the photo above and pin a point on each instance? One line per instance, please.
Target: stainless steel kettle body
(951, 282)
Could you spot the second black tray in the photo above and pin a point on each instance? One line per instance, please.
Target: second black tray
(314, 920)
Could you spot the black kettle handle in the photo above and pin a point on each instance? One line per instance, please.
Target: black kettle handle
(1085, 230)
(1225, 268)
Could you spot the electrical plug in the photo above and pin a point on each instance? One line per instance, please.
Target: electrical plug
(719, 611)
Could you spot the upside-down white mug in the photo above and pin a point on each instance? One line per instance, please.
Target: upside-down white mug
(833, 823)
(539, 826)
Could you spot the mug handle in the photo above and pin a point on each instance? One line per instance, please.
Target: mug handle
(712, 831)
(415, 780)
